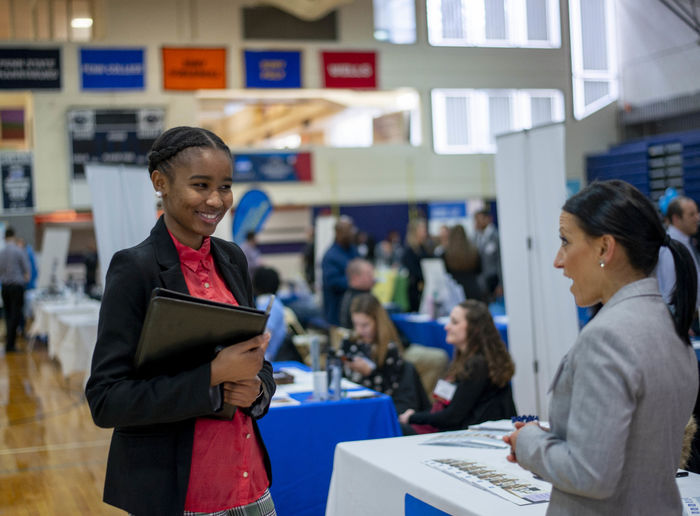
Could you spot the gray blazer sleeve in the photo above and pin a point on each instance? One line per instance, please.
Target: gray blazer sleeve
(597, 385)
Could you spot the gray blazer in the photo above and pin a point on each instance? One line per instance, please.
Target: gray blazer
(620, 401)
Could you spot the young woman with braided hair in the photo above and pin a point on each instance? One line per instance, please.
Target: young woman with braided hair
(167, 457)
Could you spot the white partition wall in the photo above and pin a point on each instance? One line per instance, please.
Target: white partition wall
(123, 206)
(54, 252)
(542, 320)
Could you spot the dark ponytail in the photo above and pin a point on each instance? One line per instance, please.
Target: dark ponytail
(684, 296)
(618, 209)
(168, 146)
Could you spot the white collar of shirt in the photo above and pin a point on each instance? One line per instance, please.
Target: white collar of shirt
(676, 233)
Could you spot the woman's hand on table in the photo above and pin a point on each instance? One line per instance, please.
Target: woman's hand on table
(360, 365)
(242, 393)
(403, 418)
(242, 361)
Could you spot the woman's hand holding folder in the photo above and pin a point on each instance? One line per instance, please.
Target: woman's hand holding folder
(242, 393)
(240, 362)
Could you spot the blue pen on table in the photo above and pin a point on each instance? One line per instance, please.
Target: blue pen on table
(524, 419)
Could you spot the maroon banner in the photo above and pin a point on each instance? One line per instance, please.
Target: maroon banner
(349, 69)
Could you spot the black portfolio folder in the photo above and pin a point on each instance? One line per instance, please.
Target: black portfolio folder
(181, 332)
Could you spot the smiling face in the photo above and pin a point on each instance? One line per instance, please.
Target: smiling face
(579, 257)
(196, 193)
(456, 329)
(365, 327)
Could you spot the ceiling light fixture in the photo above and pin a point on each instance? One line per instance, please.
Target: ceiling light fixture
(81, 23)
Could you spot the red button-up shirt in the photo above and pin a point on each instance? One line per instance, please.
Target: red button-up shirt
(227, 462)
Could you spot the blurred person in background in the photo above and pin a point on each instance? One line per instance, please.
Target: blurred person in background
(476, 387)
(333, 266)
(462, 262)
(486, 239)
(360, 276)
(414, 252)
(266, 283)
(373, 356)
(15, 272)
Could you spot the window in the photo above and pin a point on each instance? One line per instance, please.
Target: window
(594, 66)
(493, 23)
(468, 121)
(395, 21)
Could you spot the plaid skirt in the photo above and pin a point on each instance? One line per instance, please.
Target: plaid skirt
(263, 506)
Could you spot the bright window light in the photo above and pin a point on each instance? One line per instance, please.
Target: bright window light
(467, 121)
(593, 55)
(395, 21)
(494, 23)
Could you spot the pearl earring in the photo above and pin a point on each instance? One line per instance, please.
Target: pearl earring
(159, 194)
(602, 264)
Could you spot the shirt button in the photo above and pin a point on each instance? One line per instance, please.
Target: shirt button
(247, 436)
(206, 285)
(245, 474)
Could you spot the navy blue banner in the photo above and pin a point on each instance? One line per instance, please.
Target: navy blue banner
(272, 167)
(30, 69)
(112, 136)
(17, 189)
(112, 68)
(272, 69)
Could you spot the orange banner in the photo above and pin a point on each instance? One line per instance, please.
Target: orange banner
(194, 68)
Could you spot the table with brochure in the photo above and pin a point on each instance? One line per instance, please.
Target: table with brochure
(463, 472)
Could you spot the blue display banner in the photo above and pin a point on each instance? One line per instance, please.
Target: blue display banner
(112, 68)
(272, 167)
(250, 215)
(447, 210)
(272, 69)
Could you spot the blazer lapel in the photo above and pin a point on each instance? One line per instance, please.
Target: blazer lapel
(231, 274)
(170, 275)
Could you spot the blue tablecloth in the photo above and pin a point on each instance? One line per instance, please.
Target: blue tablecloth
(420, 329)
(301, 442)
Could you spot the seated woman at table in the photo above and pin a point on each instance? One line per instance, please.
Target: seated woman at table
(373, 357)
(476, 387)
(622, 395)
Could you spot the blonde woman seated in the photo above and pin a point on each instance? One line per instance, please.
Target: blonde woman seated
(476, 387)
(373, 357)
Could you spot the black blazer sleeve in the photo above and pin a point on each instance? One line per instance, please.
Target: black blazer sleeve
(116, 397)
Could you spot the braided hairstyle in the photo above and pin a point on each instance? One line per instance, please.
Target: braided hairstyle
(618, 209)
(169, 146)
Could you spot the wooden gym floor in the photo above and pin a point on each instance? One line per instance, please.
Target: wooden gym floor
(52, 456)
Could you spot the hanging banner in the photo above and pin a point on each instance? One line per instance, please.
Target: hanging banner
(272, 167)
(112, 136)
(194, 68)
(30, 69)
(349, 70)
(251, 212)
(17, 190)
(272, 69)
(12, 124)
(112, 69)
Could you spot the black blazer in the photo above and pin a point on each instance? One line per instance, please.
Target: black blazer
(153, 419)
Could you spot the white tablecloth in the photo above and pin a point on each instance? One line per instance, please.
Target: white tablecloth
(374, 477)
(71, 329)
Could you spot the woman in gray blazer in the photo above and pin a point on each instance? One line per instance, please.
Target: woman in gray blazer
(623, 394)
